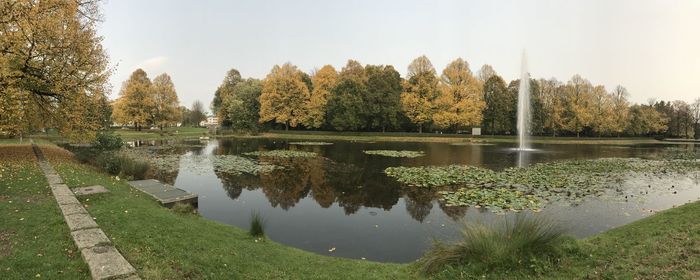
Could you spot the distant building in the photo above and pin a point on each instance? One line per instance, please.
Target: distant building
(211, 121)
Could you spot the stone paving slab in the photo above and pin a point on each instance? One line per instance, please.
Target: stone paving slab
(90, 190)
(66, 199)
(80, 221)
(89, 238)
(166, 194)
(60, 189)
(54, 179)
(106, 262)
(71, 209)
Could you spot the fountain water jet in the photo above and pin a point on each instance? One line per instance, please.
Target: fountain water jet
(523, 106)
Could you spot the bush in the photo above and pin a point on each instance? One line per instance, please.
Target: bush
(107, 141)
(257, 225)
(526, 244)
(130, 168)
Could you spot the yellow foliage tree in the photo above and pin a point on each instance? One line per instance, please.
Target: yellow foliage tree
(136, 101)
(420, 92)
(324, 80)
(166, 103)
(579, 113)
(284, 96)
(52, 66)
(461, 101)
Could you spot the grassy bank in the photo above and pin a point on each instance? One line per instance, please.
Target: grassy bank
(34, 240)
(163, 244)
(167, 133)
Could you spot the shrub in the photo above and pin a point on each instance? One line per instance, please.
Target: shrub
(257, 225)
(107, 141)
(525, 244)
(130, 168)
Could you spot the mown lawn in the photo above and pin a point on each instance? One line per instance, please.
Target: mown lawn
(35, 242)
(168, 133)
(163, 244)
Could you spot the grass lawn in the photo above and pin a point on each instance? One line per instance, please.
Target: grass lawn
(169, 133)
(35, 241)
(162, 244)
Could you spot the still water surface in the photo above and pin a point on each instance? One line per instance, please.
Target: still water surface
(343, 200)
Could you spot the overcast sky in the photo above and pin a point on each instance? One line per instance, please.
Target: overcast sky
(650, 47)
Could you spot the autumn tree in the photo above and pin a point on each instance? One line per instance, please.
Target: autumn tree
(323, 81)
(136, 104)
(242, 106)
(165, 101)
(578, 114)
(621, 115)
(346, 104)
(284, 96)
(461, 101)
(383, 97)
(421, 89)
(53, 69)
(646, 120)
(602, 108)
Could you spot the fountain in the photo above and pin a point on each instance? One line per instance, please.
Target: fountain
(523, 107)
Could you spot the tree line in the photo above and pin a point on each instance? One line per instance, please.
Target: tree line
(143, 102)
(377, 98)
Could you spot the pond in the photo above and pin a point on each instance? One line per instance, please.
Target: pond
(341, 202)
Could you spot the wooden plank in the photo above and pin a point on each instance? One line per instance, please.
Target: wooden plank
(164, 193)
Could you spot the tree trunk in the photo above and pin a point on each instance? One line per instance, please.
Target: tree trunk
(383, 129)
(577, 134)
(420, 128)
(286, 126)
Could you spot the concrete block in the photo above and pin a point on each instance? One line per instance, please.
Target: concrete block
(106, 262)
(80, 221)
(87, 238)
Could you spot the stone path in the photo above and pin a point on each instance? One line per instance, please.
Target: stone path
(104, 260)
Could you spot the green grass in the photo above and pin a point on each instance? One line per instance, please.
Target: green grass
(164, 245)
(170, 133)
(257, 225)
(35, 241)
(528, 245)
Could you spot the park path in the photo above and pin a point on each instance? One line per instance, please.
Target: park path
(103, 259)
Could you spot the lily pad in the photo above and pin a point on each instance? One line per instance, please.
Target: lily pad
(394, 153)
(310, 143)
(281, 154)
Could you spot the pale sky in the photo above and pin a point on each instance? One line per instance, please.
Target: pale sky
(650, 47)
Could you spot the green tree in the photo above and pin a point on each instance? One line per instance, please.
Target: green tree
(420, 92)
(645, 120)
(284, 96)
(500, 106)
(383, 97)
(232, 78)
(242, 106)
(165, 101)
(346, 105)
